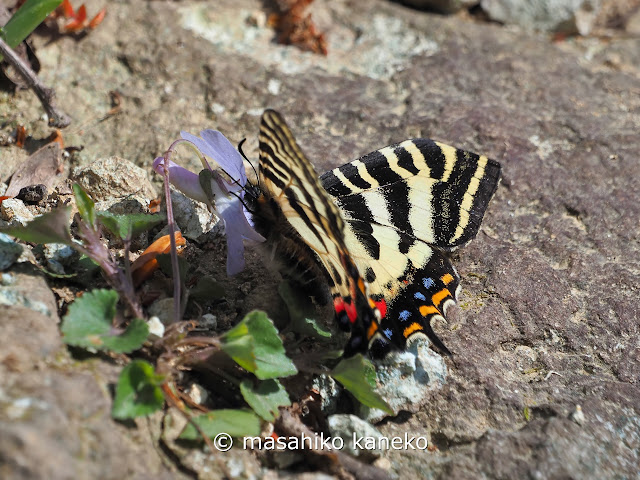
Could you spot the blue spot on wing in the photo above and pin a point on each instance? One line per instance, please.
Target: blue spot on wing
(428, 282)
(419, 296)
(404, 315)
(388, 333)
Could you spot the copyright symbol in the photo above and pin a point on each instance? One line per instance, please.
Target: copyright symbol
(223, 442)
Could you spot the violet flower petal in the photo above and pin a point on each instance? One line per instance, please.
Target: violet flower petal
(215, 145)
(181, 178)
(236, 226)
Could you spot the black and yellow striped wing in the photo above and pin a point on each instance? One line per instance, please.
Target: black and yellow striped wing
(405, 206)
(304, 224)
(375, 230)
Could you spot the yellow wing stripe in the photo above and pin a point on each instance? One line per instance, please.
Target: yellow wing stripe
(467, 200)
(450, 157)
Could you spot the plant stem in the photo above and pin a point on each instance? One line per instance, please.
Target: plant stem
(57, 118)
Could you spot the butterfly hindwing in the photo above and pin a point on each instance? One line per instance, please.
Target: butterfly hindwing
(427, 296)
(406, 205)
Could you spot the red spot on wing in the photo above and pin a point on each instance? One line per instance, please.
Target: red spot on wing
(341, 306)
(382, 307)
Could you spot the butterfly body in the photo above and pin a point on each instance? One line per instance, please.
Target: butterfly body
(375, 231)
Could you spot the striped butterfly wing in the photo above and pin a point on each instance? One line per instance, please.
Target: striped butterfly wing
(406, 205)
(304, 224)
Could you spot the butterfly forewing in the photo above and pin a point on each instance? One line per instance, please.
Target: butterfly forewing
(288, 179)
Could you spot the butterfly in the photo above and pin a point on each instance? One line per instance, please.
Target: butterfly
(375, 231)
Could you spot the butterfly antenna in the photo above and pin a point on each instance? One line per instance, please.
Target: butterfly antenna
(245, 157)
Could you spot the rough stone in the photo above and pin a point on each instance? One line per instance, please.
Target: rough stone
(567, 16)
(349, 428)
(114, 178)
(193, 218)
(15, 212)
(10, 251)
(55, 412)
(405, 378)
(59, 256)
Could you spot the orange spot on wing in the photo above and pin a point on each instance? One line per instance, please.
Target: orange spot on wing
(447, 278)
(439, 296)
(428, 309)
(373, 328)
(414, 327)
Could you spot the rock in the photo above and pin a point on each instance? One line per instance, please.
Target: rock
(209, 321)
(193, 218)
(114, 179)
(566, 16)
(10, 251)
(33, 194)
(441, 6)
(329, 390)
(632, 25)
(163, 310)
(15, 212)
(404, 378)
(578, 415)
(197, 393)
(356, 432)
(59, 256)
(55, 410)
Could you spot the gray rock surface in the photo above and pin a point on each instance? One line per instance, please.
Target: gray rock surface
(112, 179)
(9, 251)
(360, 438)
(567, 16)
(548, 317)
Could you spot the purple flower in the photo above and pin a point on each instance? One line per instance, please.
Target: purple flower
(227, 192)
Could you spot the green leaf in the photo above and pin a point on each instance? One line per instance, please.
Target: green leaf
(164, 261)
(302, 313)
(26, 19)
(138, 391)
(265, 398)
(88, 324)
(237, 423)
(205, 177)
(129, 225)
(254, 344)
(52, 227)
(207, 289)
(358, 375)
(86, 207)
